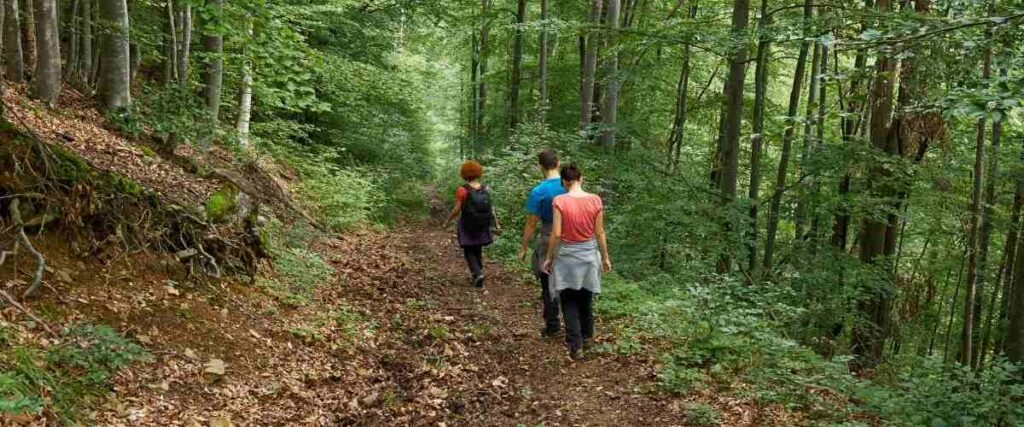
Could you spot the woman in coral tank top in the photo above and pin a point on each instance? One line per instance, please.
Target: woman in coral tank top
(577, 252)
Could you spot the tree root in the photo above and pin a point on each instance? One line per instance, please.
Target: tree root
(14, 303)
(37, 276)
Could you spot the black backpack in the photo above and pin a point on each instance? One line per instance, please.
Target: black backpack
(477, 210)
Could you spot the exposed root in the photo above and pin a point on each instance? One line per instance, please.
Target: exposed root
(19, 225)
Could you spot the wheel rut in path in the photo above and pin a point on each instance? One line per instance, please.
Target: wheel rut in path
(467, 356)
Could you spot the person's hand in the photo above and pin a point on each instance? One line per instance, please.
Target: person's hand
(497, 230)
(522, 254)
(547, 266)
(606, 265)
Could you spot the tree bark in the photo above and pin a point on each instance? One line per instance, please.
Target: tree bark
(675, 140)
(85, 71)
(213, 71)
(869, 337)
(115, 75)
(46, 80)
(14, 66)
(589, 67)
(481, 101)
(1014, 340)
(184, 43)
(517, 66)
(609, 114)
(542, 60)
(727, 158)
(985, 236)
(28, 34)
(787, 146)
(757, 139)
(73, 40)
(973, 239)
(800, 215)
(245, 98)
(170, 46)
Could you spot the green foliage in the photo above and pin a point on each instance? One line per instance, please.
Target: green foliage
(341, 199)
(702, 414)
(935, 395)
(64, 379)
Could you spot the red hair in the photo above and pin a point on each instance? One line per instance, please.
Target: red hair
(471, 170)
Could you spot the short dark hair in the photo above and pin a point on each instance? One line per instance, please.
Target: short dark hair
(548, 159)
(571, 173)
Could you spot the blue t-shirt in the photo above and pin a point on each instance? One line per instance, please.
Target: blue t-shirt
(539, 202)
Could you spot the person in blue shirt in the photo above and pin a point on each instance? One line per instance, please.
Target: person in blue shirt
(539, 210)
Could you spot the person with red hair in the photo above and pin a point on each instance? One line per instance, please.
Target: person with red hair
(477, 222)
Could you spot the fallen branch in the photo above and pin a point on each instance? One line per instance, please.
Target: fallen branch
(14, 303)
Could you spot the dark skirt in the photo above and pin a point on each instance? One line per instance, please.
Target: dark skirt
(467, 238)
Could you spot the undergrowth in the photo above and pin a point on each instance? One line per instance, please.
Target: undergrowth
(298, 269)
(62, 380)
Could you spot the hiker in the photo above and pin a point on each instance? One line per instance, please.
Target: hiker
(577, 252)
(477, 222)
(538, 208)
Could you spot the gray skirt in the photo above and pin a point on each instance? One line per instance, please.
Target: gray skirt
(576, 266)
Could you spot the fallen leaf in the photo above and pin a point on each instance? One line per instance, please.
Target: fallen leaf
(215, 366)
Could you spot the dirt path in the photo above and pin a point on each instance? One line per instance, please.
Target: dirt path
(488, 362)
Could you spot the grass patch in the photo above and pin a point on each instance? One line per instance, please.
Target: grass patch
(63, 380)
(297, 269)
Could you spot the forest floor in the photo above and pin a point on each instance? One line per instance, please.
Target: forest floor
(418, 346)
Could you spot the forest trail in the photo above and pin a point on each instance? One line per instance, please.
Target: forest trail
(507, 373)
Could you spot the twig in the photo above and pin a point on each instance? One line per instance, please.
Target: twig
(27, 312)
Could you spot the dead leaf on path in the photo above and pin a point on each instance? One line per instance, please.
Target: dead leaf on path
(220, 422)
(215, 366)
(191, 354)
(500, 382)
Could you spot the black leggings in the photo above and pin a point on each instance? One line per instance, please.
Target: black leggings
(578, 315)
(475, 259)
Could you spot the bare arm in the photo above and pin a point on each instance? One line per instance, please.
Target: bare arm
(531, 227)
(602, 242)
(556, 237)
(455, 212)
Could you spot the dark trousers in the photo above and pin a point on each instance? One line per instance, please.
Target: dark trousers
(551, 321)
(475, 259)
(578, 314)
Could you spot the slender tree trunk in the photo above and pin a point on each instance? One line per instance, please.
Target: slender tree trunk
(800, 215)
(474, 81)
(213, 47)
(245, 96)
(517, 66)
(185, 42)
(589, 67)
(115, 80)
(542, 61)
(869, 337)
(170, 46)
(1014, 340)
(787, 147)
(14, 66)
(992, 175)
(757, 139)
(85, 71)
(675, 140)
(73, 40)
(1012, 247)
(611, 98)
(46, 80)
(481, 102)
(974, 266)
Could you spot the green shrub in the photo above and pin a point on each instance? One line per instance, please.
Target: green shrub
(341, 199)
(299, 269)
(64, 379)
(702, 414)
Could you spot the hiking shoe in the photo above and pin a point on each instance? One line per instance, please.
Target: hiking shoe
(588, 345)
(550, 332)
(576, 355)
(478, 282)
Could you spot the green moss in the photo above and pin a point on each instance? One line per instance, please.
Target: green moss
(70, 167)
(222, 204)
(125, 185)
(146, 151)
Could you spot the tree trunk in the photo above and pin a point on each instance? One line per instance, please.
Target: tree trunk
(115, 73)
(85, 71)
(245, 97)
(28, 34)
(1014, 340)
(732, 115)
(481, 101)
(985, 237)
(46, 80)
(870, 335)
(213, 71)
(787, 146)
(1012, 247)
(517, 67)
(13, 65)
(184, 42)
(73, 41)
(589, 67)
(542, 61)
(474, 81)
(675, 140)
(170, 46)
(757, 139)
(609, 113)
(800, 215)
(974, 269)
